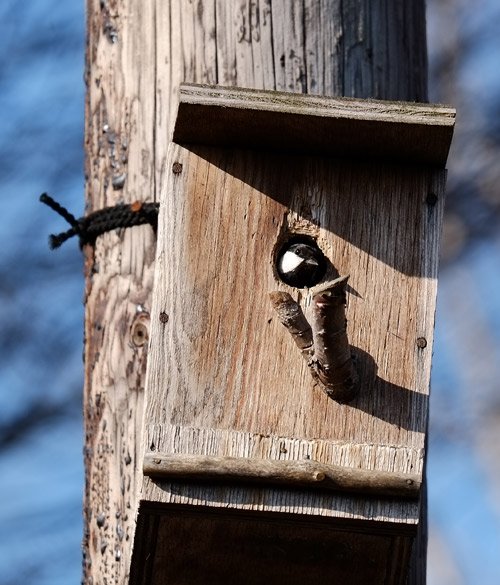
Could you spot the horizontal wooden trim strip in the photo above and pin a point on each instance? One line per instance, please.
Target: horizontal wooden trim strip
(305, 473)
(246, 118)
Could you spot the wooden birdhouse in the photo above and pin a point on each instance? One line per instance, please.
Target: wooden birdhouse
(292, 326)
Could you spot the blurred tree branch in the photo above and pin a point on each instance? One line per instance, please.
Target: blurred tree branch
(473, 202)
(40, 414)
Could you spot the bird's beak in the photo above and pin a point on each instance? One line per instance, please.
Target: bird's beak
(311, 261)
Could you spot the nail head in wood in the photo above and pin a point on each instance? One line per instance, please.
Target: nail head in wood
(431, 199)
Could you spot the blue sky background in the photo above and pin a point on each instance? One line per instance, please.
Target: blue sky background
(41, 313)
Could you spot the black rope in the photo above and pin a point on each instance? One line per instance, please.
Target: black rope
(89, 227)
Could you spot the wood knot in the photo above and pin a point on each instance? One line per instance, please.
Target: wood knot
(140, 332)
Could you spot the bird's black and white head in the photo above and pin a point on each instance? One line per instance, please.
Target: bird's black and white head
(301, 264)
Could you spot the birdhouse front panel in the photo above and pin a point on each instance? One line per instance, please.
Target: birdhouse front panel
(225, 362)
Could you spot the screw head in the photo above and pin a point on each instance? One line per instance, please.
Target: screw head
(431, 199)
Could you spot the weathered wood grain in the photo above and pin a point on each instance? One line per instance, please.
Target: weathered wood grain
(229, 211)
(137, 55)
(321, 47)
(120, 162)
(219, 443)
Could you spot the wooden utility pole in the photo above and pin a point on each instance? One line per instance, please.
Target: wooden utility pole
(137, 55)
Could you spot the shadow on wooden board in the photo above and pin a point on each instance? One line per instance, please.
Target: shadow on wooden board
(200, 546)
(390, 211)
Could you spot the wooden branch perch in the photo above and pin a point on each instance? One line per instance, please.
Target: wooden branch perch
(324, 344)
(291, 316)
(332, 353)
(303, 473)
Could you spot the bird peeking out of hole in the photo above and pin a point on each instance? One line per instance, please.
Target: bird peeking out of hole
(301, 264)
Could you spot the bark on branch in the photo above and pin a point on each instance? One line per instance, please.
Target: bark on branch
(310, 474)
(324, 343)
(291, 316)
